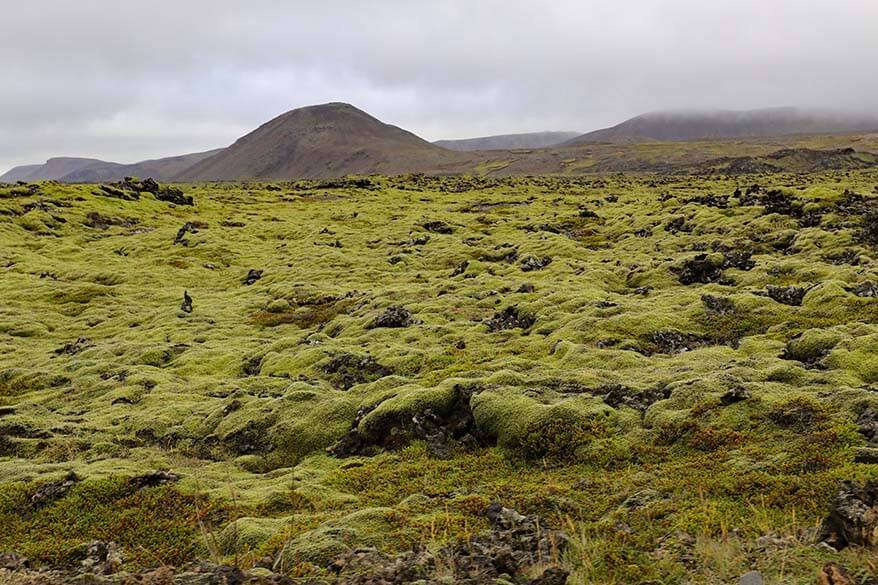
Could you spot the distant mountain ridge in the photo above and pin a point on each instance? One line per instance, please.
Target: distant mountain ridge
(92, 170)
(680, 126)
(53, 169)
(337, 139)
(508, 141)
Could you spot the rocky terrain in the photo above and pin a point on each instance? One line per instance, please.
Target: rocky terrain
(642, 378)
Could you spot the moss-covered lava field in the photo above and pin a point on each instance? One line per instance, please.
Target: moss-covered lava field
(676, 371)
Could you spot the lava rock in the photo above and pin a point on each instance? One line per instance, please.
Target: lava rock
(853, 516)
(443, 431)
(188, 227)
(835, 574)
(703, 269)
(718, 305)
(670, 342)
(438, 227)
(12, 561)
(53, 490)
(869, 228)
(252, 276)
(103, 558)
(74, 347)
(510, 318)
(867, 289)
(868, 455)
(734, 395)
(531, 263)
(677, 225)
(347, 370)
(393, 317)
(867, 424)
(551, 576)
(186, 306)
(786, 295)
(152, 479)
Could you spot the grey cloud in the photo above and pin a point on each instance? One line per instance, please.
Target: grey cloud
(126, 80)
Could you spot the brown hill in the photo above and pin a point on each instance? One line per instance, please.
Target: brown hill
(327, 140)
(723, 124)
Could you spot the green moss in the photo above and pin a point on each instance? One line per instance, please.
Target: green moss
(366, 527)
(533, 430)
(150, 524)
(248, 534)
(238, 397)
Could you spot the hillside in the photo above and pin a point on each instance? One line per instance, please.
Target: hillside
(161, 169)
(19, 173)
(53, 169)
(508, 141)
(721, 124)
(89, 170)
(326, 140)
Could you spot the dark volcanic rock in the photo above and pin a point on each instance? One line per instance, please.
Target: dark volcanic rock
(438, 227)
(867, 289)
(252, 276)
(702, 269)
(53, 490)
(186, 306)
(774, 201)
(711, 200)
(867, 424)
(617, 395)
(677, 225)
(869, 229)
(786, 295)
(551, 576)
(718, 305)
(93, 219)
(853, 516)
(12, 561)
(740, 259)
(460, 268)
(103, 558)
(117, 193)
(132, 188)
(868, 455)
(347, 370)
(510, 318)
(173, 195)
(443, 430)
(670, 342)
(514, 546)
(394, 316)
(152, 479)
(734, 395)
(532, 263)
(188, 227)
(74, 347)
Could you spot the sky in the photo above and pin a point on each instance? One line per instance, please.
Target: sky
(126, 80)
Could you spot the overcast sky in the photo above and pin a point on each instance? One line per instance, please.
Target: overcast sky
(126, 80)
